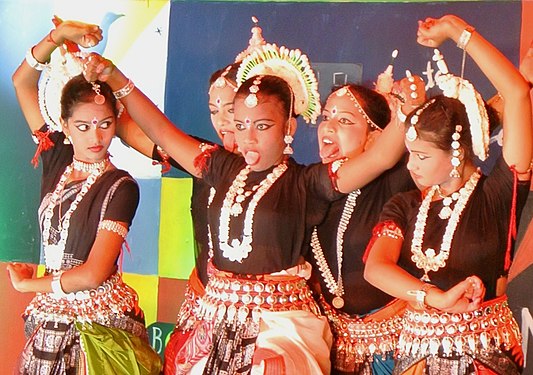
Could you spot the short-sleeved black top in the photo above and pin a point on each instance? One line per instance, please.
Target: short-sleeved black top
(114, 196)
(480, 240)
(283, 218)
(360, 297)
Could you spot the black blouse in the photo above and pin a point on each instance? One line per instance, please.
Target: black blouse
(283, 219)
(360, 297)
(480, 240)
(114, 196)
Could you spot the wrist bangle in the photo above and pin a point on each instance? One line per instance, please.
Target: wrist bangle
(50, 39)
(56, 285)
(401, 116)
(125, 91)
(420, 295)
(465, 37)
(32, 61)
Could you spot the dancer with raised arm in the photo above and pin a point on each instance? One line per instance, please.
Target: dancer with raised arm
(447, 251)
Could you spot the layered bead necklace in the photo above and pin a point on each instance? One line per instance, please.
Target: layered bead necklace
(239, 250)
(428, 260)
(336, 288)
(53, 253)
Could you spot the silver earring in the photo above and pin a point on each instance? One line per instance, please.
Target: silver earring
(288, 141)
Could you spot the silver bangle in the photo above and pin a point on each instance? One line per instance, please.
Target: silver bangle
(420, 295)
(125, 91)
(401, 116)
(56, 285)
(32, 61)
(465, 37)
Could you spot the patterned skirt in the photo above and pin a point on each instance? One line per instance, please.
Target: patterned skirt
(261, 322)
(53, 346)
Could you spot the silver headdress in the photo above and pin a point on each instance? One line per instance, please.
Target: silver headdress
(293, 67)
(462, 90)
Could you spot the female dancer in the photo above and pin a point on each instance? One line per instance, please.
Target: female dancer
(86, 209)
(258, 312)
(221, 93)
(364, 331)
(448, 249)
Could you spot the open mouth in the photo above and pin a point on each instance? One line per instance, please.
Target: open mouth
(329, 150)
(251, 157)
(228, 140)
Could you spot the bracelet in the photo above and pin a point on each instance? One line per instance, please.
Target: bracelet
(113, 226)
(32, 61)
(465, 37)
(125, 91)
(56, 285)
(420, 295)
(50, 39)
(401, 116)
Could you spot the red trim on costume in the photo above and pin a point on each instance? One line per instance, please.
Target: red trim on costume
(333, 176)
(200, 162)
(512, 221)
(165, 164)
(386, 228)
(43, 143)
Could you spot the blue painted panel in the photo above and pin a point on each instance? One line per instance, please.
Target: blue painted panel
(143, 237)
(206, 36)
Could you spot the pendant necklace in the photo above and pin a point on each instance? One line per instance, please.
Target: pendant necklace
(336, 288)
(428, 260)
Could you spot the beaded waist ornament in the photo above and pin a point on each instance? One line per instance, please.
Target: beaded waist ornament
(113, 297)
(186, 316)
(238, 298)
(489, 328)
(358, 339)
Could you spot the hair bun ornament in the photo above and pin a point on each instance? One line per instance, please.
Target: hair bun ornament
(62, 67)
(293, 67)
(462, 90)
(255, 42)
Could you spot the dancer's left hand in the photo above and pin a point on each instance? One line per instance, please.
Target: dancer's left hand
(18, 272)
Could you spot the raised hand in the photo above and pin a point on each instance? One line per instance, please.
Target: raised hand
(96, 67)
(83, 34)
(433, 32)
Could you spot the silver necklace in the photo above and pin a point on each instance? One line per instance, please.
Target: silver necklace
(428, 260)
(335, 287)
(53, 253)
(238, 250)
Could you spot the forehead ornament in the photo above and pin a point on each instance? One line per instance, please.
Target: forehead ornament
(334, 111)
(346, 91)
(98, 98)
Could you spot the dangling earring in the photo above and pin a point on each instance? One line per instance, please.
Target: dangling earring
(67, 140)
(288, 139)
(456, 153)
(288, 148)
